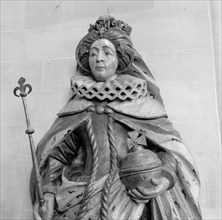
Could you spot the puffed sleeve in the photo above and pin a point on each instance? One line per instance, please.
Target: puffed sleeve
(61, 155)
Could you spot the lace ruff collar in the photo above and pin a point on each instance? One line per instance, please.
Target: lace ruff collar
(122, 88)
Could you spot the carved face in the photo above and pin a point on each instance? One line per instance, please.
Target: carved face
(103, 60)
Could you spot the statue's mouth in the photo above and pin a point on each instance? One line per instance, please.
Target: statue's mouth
(100, 67)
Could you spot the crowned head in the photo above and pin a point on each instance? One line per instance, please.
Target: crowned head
(108, 39)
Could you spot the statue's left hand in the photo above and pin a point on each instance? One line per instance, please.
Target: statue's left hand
(46, 211)
(143, 195)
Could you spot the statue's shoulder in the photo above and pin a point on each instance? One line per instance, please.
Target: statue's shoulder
(75, 105)
(143, 107)
(139, 102)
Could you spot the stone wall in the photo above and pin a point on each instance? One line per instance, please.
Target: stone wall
(180, 42)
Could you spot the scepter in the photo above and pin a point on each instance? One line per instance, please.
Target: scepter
(29, 131)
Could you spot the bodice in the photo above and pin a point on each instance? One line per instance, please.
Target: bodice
(82, 164)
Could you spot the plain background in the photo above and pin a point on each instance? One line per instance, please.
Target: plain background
(179, 41)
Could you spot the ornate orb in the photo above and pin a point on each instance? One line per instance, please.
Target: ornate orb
(138, 167)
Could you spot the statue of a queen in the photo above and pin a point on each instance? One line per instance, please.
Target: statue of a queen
(112, 153)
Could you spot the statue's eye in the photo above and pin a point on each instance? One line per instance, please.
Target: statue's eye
(107, 53)
(92, 54)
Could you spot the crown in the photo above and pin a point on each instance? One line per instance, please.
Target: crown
(106, 22)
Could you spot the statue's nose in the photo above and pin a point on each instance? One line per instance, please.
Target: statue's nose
(100, 56)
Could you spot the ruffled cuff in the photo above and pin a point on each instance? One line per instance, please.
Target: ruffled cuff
(170, 175)
(168, 168)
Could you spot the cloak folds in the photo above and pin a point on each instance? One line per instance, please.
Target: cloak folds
(179, 202)
(80, 156)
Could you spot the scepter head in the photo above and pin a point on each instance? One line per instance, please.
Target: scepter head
(22, 88)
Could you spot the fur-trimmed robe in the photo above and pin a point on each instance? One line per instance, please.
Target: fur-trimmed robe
(64, 156)
(144, 115)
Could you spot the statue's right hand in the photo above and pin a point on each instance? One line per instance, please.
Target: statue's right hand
(45, 212)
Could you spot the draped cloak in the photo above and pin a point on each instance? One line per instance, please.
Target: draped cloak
(145, 114)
